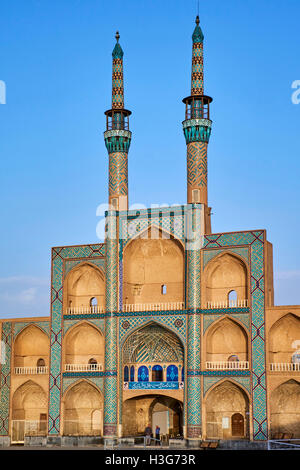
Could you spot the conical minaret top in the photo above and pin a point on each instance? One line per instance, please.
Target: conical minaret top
(197, 86)
(117, 135)
(117, 76)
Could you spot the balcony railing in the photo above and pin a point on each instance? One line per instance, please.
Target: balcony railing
(228, 304)
(284, 367)
(85, 310)
(31, 370)
(83, 367)
(224, 365)
(153, 307)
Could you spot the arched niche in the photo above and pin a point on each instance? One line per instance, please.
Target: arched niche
(284, 339)
(84, 286)
(153, 343)
(226, 339)
(31, 347)
(139, 412)
(227, 412)
(225, 277)
(285, 409)
(29, 402)
(83, 410)
(153, 269)
(84, 344)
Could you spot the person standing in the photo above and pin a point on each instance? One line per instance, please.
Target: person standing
(148, 432)
(157, 435)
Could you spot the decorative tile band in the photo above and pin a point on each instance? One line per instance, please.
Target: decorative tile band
(5, 379)
(215, 373)
(90, 374)
(153, 385)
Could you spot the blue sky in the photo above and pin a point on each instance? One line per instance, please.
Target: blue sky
(56, 63)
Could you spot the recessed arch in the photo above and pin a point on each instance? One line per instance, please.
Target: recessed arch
(150, 263)
(224, 403)
(84, 282)
(225, 338)
(223, 274)
(29, 402)
(82, 409)
(83, 342)
(30, 345)
(284, 339)
(152, 342)
(285, 408)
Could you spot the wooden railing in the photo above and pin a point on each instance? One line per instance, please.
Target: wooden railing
(31, 370)
(83, 367)
(284, 367)
(153, 307)
(224, 365)
(228, 304)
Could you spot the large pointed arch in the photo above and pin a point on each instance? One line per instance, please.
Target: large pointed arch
(30, 345)
(224, 338)
(284, 339)
(153, 268)
(83, 342)
(224, 274)
(285, 408)
(82, 409)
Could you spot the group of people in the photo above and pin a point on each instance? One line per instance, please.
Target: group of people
(148, 435)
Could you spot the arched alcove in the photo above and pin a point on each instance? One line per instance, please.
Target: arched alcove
(284, 339)
(30, 347)
(83, 410)
(285, 409)
(29, 402)
(225, 279)
(84, 287)
(153, 269)
(84, 344)
(227, 412)
(226, 339)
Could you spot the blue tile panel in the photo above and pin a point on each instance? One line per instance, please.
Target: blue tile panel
(5, 378)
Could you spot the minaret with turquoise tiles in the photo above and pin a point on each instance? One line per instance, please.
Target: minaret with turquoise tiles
(117, 135)
(117, 139)
(197, 129)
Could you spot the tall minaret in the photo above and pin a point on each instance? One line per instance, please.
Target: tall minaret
(197, 129)
(117, 135)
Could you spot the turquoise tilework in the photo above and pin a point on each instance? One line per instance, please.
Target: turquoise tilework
(43, 325)
(244, 318)
(7, 329)
(59, 256)
(209, 382)
(208, 255)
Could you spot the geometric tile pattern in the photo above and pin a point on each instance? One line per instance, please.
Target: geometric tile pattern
(208, 382)
(43, 325)
(111, 293)
(69, 381)
(118, 174)
(197, 164)
(5, 379)
(243, 318)
(117, 78)
(59, 256)
(194, 327)
(210, 254)
(197, 86)
(255, 240)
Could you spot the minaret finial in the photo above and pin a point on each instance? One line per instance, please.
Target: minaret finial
(117, 36)
(197, 20)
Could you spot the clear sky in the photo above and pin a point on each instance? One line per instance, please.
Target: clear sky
(56, 63)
